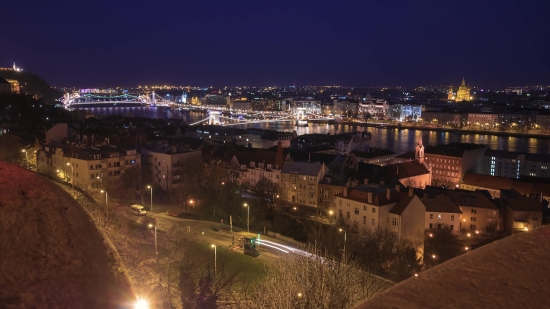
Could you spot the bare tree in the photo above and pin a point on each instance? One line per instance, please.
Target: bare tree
(314, 280)
(10, 149)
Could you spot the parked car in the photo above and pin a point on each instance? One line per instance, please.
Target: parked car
(139, 212)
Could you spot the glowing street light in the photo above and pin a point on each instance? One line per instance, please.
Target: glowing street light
(72, 174)
(466, 248)
(248, 218)
(433, 256)
(469, 235)
(141, 304)
(431, 235)
(345, 238)
(300, 294)
(215, 259)
(151, 187)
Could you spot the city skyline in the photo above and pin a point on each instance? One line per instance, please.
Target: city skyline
(215, 43)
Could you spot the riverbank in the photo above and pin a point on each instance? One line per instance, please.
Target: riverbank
(463, 131)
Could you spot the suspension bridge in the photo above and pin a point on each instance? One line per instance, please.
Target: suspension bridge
(216, 115)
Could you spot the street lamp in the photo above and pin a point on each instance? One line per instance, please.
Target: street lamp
(100, 180)
(72, 174)
(106, 209)
(248, 220)
(155, 225)
(330, 213)
(151, 187)
(215, 259)
(141, 304)
(345, 238)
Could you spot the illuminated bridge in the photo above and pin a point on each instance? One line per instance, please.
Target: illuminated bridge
(216, 115)
(75, 99)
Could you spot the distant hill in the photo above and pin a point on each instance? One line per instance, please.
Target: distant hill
(32, 84)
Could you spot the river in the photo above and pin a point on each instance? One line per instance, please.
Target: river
(399, 141)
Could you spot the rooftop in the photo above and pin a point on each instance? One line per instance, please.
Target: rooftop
(509, 273)
(440, 203)
(452, 150)
(302, 168)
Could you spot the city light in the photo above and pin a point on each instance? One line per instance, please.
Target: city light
(141, 304)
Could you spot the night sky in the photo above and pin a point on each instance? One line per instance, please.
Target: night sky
(315, 42)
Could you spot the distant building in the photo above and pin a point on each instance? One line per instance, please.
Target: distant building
(378, 156)
(442, 118)
(253, 164)
(14, 86)
(463, 93)
(219, 135)
(409, 174)
(348, 142)
(482, 120)
(402, 112)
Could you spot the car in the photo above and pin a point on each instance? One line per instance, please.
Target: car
(139, 212)
(136, 206)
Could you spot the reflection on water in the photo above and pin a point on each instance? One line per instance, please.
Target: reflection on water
(397, 140)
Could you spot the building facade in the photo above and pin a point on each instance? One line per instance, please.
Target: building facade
(300, 182)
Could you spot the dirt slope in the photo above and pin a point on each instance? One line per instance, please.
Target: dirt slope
(51, 253)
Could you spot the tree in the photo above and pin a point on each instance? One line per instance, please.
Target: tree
(266, 190)
(313, 279)
(10, 149)
(441, 245)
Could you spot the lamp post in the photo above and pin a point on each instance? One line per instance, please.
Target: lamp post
(215, 259)
(345, 237)
(25, 151)
(190, 202)
(72, 174)
(100, 180)
(330, 213)
(151, 187)
(248, 218)
(106, 209)
(155, 226)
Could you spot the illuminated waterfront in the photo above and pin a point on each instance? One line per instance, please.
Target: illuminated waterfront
(397, 140)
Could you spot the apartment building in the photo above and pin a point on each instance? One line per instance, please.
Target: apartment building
(442, 213)
(520, 213)
(253, 164)
(448, 163)
(300, 182)
(479, 214)
(371, 207)
(348, 142)
(503, 163)
(536, 165)
(86, 167)
(165, 163)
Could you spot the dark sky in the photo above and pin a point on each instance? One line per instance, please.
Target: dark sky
(315, 42)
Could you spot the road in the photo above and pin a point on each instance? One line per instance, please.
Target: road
(211, 233)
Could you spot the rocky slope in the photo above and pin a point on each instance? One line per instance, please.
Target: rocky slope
(51, 253)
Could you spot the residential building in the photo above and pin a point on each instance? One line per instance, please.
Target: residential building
(448, 163)
(254, 164)
(329, 188)
(520, 213)
(543, 121)
(478, 212)
(300, 182)
(86, 167)
(536, 165)
(503, 163)
(371, 207)
(442, 213)
(165, 163)
(15, 88)
(262, 138)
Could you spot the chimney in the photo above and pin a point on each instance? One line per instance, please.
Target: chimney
(366, 181)
(369, 197)
(388, 194)
(345, 191)
(411, 191)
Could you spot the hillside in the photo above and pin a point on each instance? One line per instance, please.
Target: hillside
(34, 85)
(52, 254)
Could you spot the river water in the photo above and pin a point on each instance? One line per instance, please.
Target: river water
(397, 140)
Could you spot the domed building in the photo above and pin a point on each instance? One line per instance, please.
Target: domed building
(463, 93)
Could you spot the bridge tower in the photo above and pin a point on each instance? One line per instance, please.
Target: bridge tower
(214, 117)
(153, 99)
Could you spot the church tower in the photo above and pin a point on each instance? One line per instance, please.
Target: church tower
(450, 95)
(463, 93)
(419, 151)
